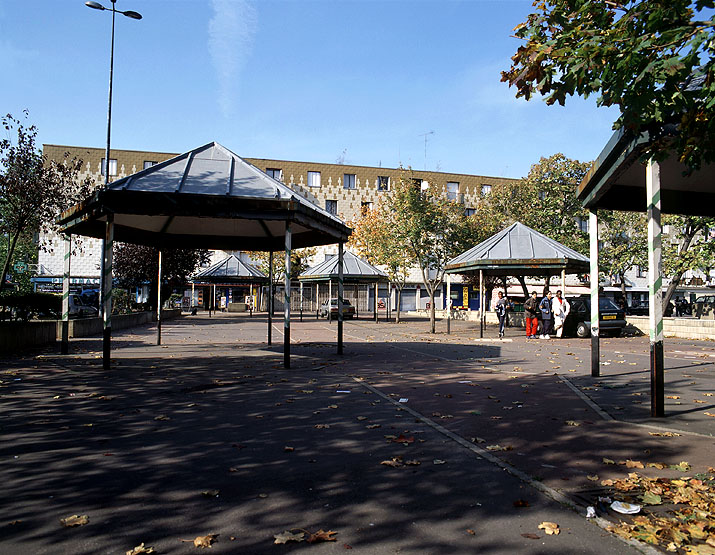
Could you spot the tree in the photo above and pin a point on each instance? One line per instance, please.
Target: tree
(625, 243)
(691, 248)
(299, 259)
(374, 238)
(33, 190)
(135, 265)
(555, 209)
(651, 58)
(432, 228)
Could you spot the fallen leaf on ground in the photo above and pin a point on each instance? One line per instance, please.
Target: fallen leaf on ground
(210, 493)
(141, 549)
(682, 466)
(362, 417)
(288, 449)
(663, 434)
(521, 503)
(572, 423)
(373, 426)
(709, 414)
(593, 478)
(672, 396)
(608, 461)
(471, 532)
(438, 461)
(322, 426)
(288, 536)
(498, 447)
(74, 520)
(530, 536)
(550, 528)
(650, 498)
(393, 462)
(402, 439)
(205, 541)
(633, 464)
(321, 536)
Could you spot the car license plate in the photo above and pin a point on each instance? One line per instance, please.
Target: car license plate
(609, 317)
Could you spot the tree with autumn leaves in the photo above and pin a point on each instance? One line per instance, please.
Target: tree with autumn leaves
(653, 59)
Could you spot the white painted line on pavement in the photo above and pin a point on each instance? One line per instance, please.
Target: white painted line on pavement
(602, 413)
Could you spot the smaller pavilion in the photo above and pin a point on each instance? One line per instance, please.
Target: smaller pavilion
(356, 272)
(230, 280)
(516, 251)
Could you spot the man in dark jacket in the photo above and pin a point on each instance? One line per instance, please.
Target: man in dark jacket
(531, 314)
(547, 316)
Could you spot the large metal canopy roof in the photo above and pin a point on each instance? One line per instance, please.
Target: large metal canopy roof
(616, 181)
(355, 269)
(205, 198)
(231, 269)
(519, 250)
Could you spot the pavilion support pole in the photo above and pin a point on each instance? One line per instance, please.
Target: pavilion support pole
(286, 299)
(593, 244)
(448, 304)
(107, 292)
(301, 301)
(65, 345)
(481, 303)
(270, 297)
(317, 300)
(357, 301)
(340, 298)
(191, 306)
(330, 296)
(158, 303)
(213, 297)
(563, 282)
(655, 290)
(374, 308)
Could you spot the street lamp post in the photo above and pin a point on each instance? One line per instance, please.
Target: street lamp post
(105, 291)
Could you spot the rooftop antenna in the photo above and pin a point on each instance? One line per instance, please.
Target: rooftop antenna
(425, 135)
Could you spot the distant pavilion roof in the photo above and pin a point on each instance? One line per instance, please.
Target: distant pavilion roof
(231, 269)
(205, 198)
(354, 269)
(519, 250)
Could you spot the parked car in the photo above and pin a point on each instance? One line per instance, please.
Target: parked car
(348, 309)
(638, 308)
(611, 318)
(80, 310)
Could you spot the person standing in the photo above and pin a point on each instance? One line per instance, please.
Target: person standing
(501, 306)
(561, 308)
(531, 315)
(547, 316)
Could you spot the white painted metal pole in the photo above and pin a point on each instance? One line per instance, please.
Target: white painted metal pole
(448, 303)
(340, 298)
(65, 345)
(158, 303)
(593, 252)
(481, 303)
(655, 290)
(107, 291)
(286, 298)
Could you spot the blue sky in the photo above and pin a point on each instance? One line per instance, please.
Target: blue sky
(301, 80)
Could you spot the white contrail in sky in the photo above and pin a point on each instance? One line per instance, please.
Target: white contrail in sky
(231, 31)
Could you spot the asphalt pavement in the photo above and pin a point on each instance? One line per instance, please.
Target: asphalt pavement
(208, 434)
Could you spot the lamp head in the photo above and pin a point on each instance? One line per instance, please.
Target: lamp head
(133, 15)
(94, 5)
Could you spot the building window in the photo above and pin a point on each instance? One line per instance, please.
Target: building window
(383, 183)
(348, 181)
(582, 224)
(112, 166)
(486, 189)
(641, 273)
(452, 190)
(470, 211)
(331, 206)
(365, 207)
(275, 173)
(313, 179)
(149, 163)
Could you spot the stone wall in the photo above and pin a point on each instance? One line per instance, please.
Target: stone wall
(684, 328)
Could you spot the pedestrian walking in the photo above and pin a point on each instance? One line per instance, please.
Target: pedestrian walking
(547, 316)
(531, 315)
(561, 308)
(501, 306)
